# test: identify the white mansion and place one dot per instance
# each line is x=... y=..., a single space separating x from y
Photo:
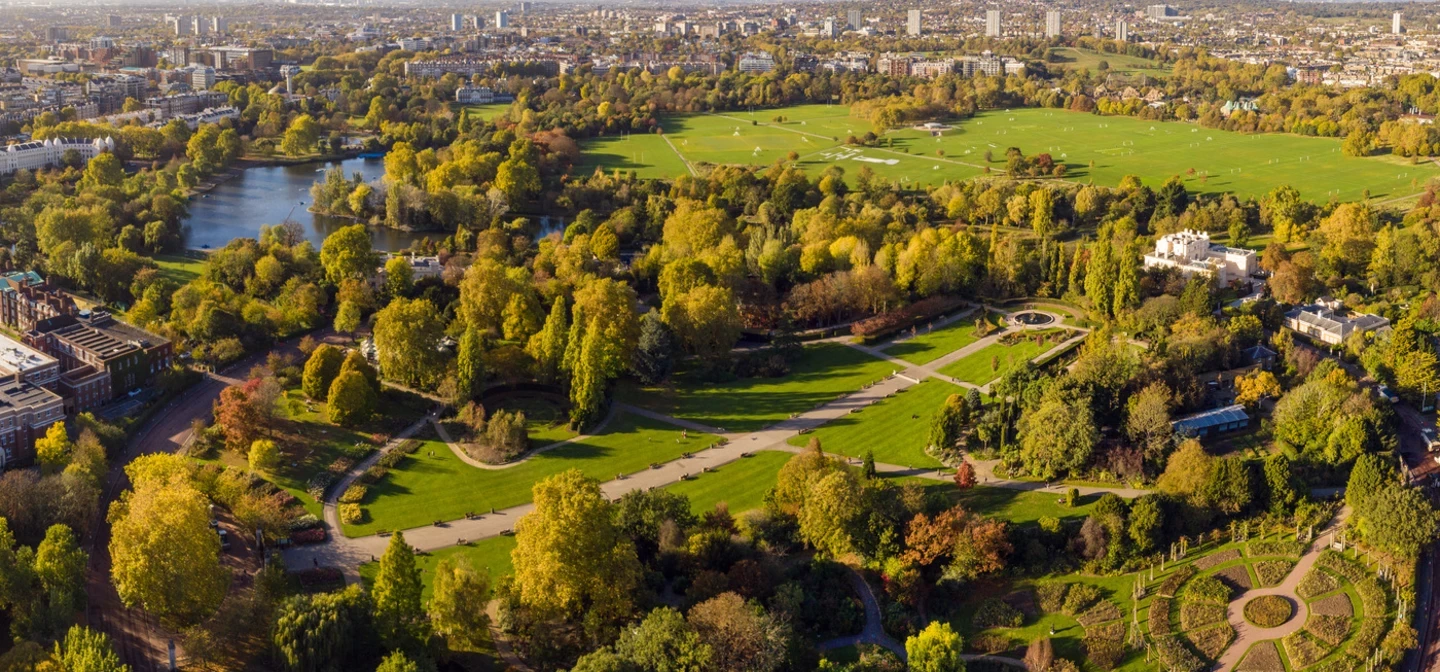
x=48 y=153
x=1192 y=252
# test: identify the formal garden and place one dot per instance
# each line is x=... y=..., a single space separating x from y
x=924 y=345
x=1010 y=350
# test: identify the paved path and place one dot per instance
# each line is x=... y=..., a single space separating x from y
x=1246 y=633
x=874 y=631
x=463 y=456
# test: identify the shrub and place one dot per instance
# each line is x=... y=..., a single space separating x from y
x=1372 y=597
x=1272 y=572
x=409 y=446
x=1329 y=629
x=1212 y=642
x=1159 y=617
x=318 y=484
x=304 y=522
x=1207 y=589
x=1269 y=611
x=373 y=475
x=1176 y=656
x=1103 y=611
x=1172 y=583
x=1113 y=630
x=991 y=643
x=1051 y=596
x=505 y=432
x=900 y=318
x=313 y=535
x=1195 y=615
x=1316 y=582
x=1368 y=637
x=1258 y=549
x=391 y=459
x=1262 y=657
x=350 y=514
x=1080 y=597
x=996 y=613
x=353 y=494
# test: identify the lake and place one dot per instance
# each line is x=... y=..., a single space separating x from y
x=268 y=195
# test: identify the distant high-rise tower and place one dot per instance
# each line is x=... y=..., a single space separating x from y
x=457 y=22
x=502 y=19
x=524 y=8
x=476 y=21
x=114 y=21
x=852 y=17
x=219 y=25
x=912 y=23
x=1395 y=23
x=1052 y=23
x=831 y=29
x=992 y=23
x=198 y=26
x=1122 y=30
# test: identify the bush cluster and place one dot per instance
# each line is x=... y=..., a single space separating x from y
x=1269 y=611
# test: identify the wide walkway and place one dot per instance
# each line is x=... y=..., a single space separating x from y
x=1246 y=633
x=348 y=553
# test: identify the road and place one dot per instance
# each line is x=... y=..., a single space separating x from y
x=137 y=636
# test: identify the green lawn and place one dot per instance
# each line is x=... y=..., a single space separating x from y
x=1249 y=165
x=888 y=428
x=928 y=347
x=1120 y=64
x=741 y=484
x=991 y=361
x=546 y=420
x=426 y=487
x=490 y=555
x=181 y=268
x=824 y=372
x=487 y=112
x=1020 y=506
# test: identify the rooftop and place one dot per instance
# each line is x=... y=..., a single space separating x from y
x=1214 y=417
x=16 y=357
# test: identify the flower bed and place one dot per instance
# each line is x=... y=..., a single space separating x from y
x=1367 y=639
x=890 y=322
x=313 y=535
x=1080 y=597
x=1207 y=589
x=1329 y=629
x=996 y=613
x=1104 y=611
x=1051 y=596
x=1302 y=650
x=1372 y=597
x=1216 y=559
x=1114 y=630
x=1159 y=617
x=1212 y=642
x=1177 y=657
x=1263 y=657
x=1194 y=615
x=1172 y=583
x=1316 y=583
x=1272 y=572
x=1269 y=611
x=1235 y=576
x=1260 y=549
x=1338 y=664
x=1335 y=605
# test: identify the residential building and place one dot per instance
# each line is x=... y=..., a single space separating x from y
x=893 y=65
x=457 y=22
x=49 y=153
x=1325 y=322
x=912 y=23
x=56 y=34
x=202 y=78
x=1395 y=23
x=502 y=19
x=26 y=299
x=930 y=69
x=219 y=25
x=1213 y=421
x=1191 y=252
x=474 y=95
x=22 y=363
x=130 y=357
x=186 y=103
x=831 y=28
x=1122 y=30
x=114 y=21
x=992 y=23
x=1052 y=23
x=852 y=19
x=209 y=115
x=26 y=412
x=755 y=62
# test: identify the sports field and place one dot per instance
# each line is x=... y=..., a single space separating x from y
x=1248 y=165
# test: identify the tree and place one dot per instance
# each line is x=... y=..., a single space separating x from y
x=165 y=558
x=1399 y=520
x=965 y=476
x=264 y=457
x=947 y=424
x=1369 y=477
x=53 y=450
x=1057 y=436
x=1249 y=390
x=408 y=334
x=397 y=661
x=301 y=136
x=356 y=363
x=655 y=353
x=706 y=320
x=245 y=411
x=399 y=276
x=328 y=632
x=1040 y=654
x=347 y=317
x=1147 y=421
x=742 y=636
x=1146 y=521
x=60 y=569
x=398 y=611
x=569 y=551
x=664 y=642
x=934 y=649
x=347 y=254
x=1280 y=490
x=1230 y=487
x=547 y=347
x=470 y=365
x=1187 y=470
x=827 y=514
x=321 y=370
x=588 y=380
x=458 y=588
x=351 y=400
x=85 y=650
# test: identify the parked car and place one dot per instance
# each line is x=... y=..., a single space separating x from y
x=1387 y=394
x=224 y=540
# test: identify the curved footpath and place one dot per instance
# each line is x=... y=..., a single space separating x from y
x=348 y=553
x=1247 y=633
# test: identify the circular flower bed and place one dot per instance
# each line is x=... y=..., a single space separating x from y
x=1269 y=611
